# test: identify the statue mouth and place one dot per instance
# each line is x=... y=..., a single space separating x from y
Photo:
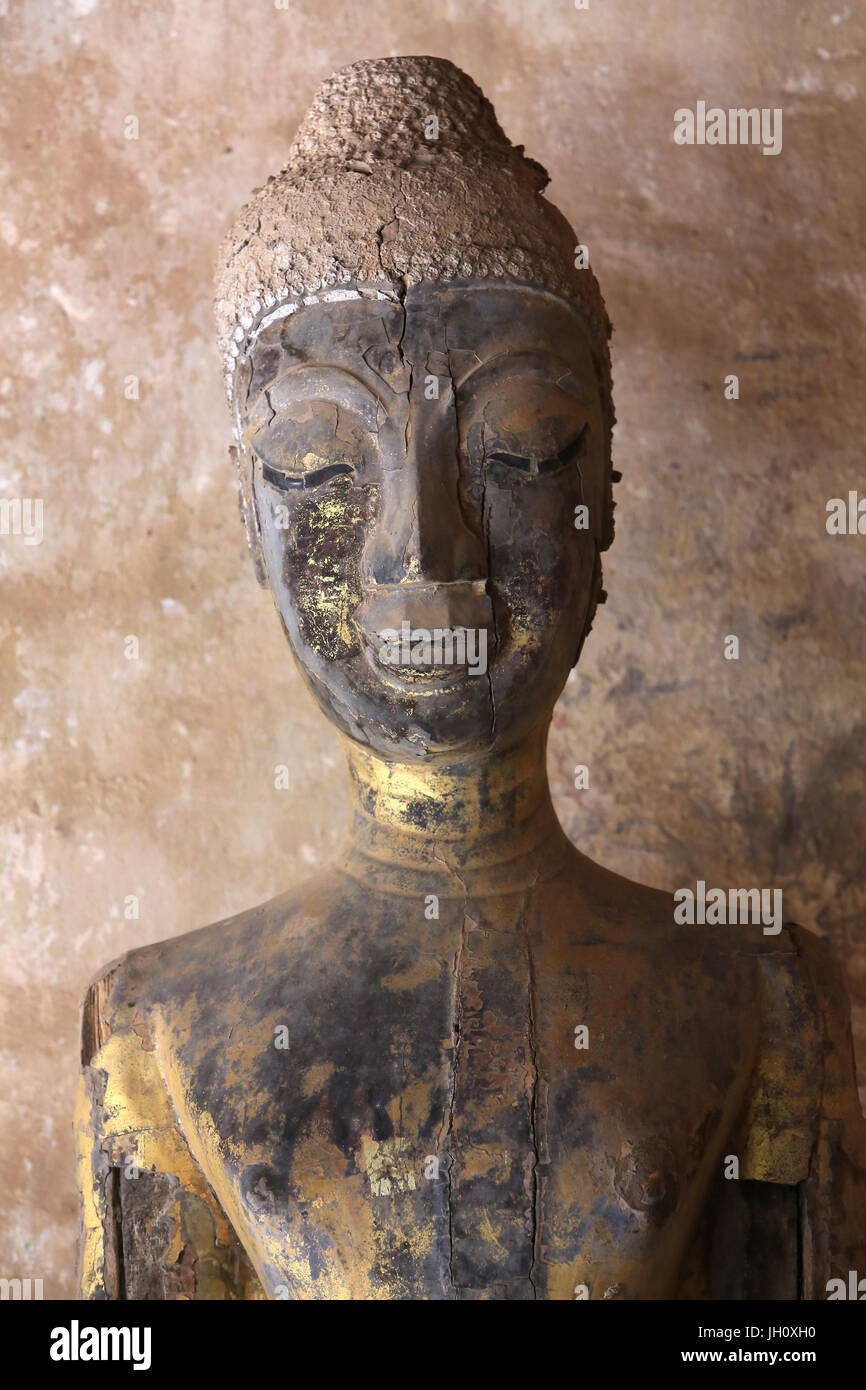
x=430 y=636
x=423 y=660
x=421 y=657
x=430 y=681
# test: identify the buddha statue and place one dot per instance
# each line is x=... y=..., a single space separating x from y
x=462 y=1061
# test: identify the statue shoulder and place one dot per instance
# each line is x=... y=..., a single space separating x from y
x=822 y=980
x=197 y=973
x=103 y=1000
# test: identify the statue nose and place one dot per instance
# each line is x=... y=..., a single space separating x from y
x=423 y=563
x=421 y=534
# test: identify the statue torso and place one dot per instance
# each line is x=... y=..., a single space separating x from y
x=529 y=1097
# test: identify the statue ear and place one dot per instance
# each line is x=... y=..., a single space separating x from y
x=247 y=503
x=598 y=595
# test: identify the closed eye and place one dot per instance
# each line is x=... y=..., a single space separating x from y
x=512 y=460
x=572 y=451
x=314 y=478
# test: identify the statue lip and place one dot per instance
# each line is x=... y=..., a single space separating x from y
x=426 y=679
x=454 y=619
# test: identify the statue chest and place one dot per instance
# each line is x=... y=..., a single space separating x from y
x=511 y=1124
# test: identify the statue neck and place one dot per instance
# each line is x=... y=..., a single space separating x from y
x=483 y=826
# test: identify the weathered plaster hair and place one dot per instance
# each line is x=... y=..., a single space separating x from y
x=368 y=201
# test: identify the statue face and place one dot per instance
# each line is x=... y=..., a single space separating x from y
x=417 y=472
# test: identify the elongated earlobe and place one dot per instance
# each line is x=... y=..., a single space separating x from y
x=247 y=503
x=598 y=595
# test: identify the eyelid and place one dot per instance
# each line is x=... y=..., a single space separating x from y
x=264 y=437
x=576 y=448
x=336 y=385
x=277 y=478
x=566 y=455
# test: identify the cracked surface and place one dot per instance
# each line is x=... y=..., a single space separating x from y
x=466 y=205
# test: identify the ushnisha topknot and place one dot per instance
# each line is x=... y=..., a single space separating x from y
x=368 y=199
x=400 y=174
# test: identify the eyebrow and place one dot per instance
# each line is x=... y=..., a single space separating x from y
x=561 y=371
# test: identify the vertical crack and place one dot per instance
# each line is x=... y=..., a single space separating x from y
x=485 y=526
x=114 y=1213
x=533 y=1103
x=446 y=1134
x=485 y=532
x=411 y=368
x=457 y=1035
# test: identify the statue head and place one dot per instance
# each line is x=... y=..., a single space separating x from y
x=420 y=381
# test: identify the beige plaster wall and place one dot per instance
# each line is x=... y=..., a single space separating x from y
x=154 y=777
